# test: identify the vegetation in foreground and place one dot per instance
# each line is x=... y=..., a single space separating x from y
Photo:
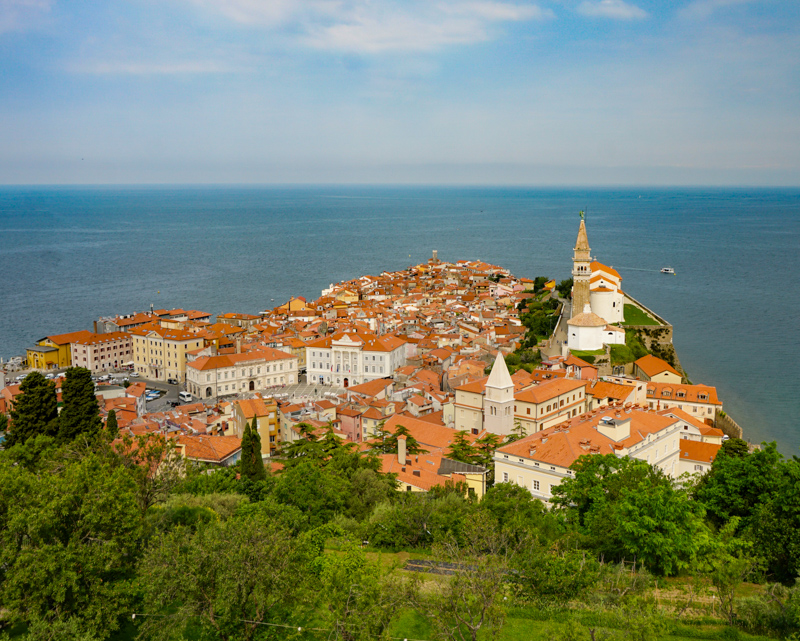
x=94 y=530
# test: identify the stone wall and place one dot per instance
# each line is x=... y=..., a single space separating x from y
x=657 y=338
x=728 y=426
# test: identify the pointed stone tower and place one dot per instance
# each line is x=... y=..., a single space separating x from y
x=581 y=271
x=498 y=400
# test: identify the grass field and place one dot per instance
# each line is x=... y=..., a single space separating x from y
x=636 y=316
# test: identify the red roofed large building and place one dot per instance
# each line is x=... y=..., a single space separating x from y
x=225 y=374
x=700 y=401
x=540 y=461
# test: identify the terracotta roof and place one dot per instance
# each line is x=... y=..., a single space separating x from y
x=371 y=388
x=653 y=366
x=230 y=360
x=549 y=390
x=603 y=389
x=72 y=337
x=432 y=437
x=214 y=449
x=587 y=319
x=698 y=451
x=255 y=407
x=691 y=393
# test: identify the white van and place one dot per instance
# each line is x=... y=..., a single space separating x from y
x=185 y=397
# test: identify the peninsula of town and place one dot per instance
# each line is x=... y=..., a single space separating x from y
x=444 y=354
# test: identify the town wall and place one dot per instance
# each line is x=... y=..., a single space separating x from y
x=730 y=427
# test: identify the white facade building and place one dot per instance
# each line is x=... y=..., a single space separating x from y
x=259 y=370
x=351 y=359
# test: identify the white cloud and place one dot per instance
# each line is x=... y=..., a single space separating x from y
x=616 y=9
x=498 y=11
x=370 y=26
x=373 y=35
x=701 y=9
x=17 y=15
x=272 y=12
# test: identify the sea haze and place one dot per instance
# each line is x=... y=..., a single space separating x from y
x=70 y=255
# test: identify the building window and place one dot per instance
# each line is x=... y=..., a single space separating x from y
x=505 y=477
x=536 y=486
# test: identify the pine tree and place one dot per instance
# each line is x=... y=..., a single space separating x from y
x=462 y=450
x=386 y=441
x=35 y=410
x=111 y=425
x=257 y=465
x=80 y=414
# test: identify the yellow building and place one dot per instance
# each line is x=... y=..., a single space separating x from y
x=297 y=348
x=159 y=353
x=54 y=351
x=42 y=357
x=265 y=411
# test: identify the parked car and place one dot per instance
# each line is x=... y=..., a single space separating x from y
x=134 y=374
x=172 y=381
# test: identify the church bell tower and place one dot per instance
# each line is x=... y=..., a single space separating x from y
x=581 y=271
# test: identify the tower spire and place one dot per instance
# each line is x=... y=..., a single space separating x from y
x=581 y=270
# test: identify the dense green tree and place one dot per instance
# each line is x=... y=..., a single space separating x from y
x=517 y=513
x=727 y=563
x=35 y=410
x=564 y=287
x=360 y=597
x=80 y=414
x=221 y=581
x=368 y=488
x=629 y=509
x=112 y=430
x=316 y=492
x=774 y=526
x=153 y=463
x=739 y=482
x=68 y=542
x=3 y=424
x=554 y=576
x=538 y=283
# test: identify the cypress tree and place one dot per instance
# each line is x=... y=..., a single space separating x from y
x=35 y=410
x=80 y=414
x=246 y=468
x=259 y=473
x=111 y=425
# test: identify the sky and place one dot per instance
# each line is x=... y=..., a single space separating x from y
x=553 y=92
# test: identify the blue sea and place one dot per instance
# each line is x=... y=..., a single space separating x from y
x=71 y=255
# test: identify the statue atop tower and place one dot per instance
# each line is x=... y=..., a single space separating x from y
x=581 y=270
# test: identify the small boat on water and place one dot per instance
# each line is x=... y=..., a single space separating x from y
x=667 y=270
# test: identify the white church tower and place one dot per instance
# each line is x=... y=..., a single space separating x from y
x=498 y=399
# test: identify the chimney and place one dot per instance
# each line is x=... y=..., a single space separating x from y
x=401 y=450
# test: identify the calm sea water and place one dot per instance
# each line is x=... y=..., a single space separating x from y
x=70 y=255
